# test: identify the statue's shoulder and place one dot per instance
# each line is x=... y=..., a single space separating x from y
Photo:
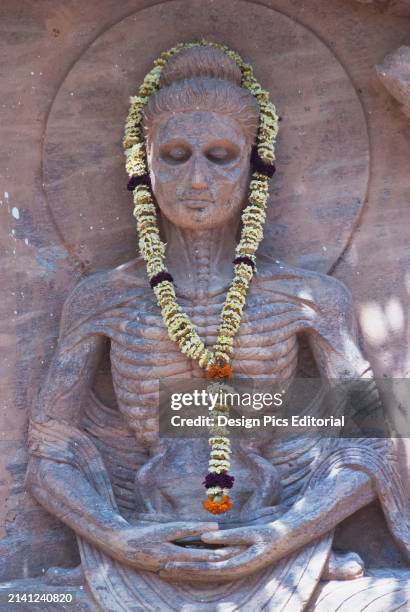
x=103 y=291
x=321 y=290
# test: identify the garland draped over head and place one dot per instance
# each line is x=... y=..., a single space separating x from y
x=216 y=359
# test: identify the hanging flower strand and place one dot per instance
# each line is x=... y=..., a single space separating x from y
x=215 y=360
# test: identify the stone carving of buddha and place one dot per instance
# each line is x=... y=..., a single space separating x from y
x=129 y=496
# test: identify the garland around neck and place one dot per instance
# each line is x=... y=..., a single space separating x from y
x=215 y=360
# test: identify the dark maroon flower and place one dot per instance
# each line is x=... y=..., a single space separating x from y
x=259 y=165
x=134 y=181
x=223 y=480
x=159 y=278
x=245 y=260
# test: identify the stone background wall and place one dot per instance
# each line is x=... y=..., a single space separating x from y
x=340 y=202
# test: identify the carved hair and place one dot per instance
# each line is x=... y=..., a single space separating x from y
x=202 y=78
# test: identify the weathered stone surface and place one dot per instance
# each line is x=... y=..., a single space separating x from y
x=395 y=7
x=394 y=73
x=377 y=592
x=288 y=495
x=41 y=265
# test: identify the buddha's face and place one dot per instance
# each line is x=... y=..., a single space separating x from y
x=199 y=163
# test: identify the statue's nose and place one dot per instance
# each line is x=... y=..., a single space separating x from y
x=198 y=177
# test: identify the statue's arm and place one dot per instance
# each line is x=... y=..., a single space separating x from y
x=63 y=488
x=335 y=346
x=64 y=492
x=60 y=487
x=333 y=335
x=372 y=453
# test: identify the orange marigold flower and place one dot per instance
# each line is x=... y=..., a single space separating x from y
x=219 y=371
x=218 y=507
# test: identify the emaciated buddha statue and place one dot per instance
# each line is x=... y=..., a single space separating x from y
x=133 y=498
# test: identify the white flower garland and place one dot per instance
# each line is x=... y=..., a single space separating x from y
x=214 y=359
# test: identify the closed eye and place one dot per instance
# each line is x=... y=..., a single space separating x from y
x=221 y=154
x=175 y=154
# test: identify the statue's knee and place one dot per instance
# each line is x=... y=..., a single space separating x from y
x=343 y=566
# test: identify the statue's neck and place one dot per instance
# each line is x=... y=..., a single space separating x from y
x=200 y=261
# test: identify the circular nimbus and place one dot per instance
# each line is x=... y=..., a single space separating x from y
x=322 y=153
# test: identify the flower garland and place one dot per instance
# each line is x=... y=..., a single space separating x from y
x=216 y=359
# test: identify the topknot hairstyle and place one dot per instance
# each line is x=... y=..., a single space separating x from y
x=203 y=78
x=205 y=62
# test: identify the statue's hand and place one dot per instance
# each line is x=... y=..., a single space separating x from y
x=252 y=548
x=151 y=548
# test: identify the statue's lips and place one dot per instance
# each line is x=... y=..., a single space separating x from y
x=196 y=204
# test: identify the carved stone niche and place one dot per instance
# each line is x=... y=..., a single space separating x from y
x=96 y=462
